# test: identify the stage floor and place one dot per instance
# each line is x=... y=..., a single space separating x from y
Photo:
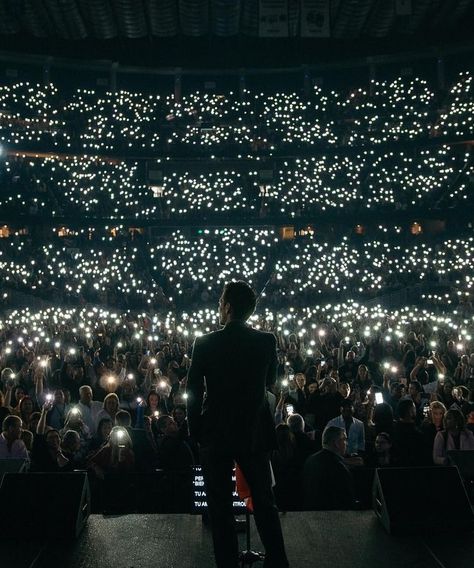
x=353 y=539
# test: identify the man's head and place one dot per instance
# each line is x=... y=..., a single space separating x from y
x=237 y=302
x=12 y=427
x=350 y=356
x=296 y=423
x=347 y=409
x=123 y=419
x=407 y=411
x=335 y=439
x=344 y=389
x=414 y=388
x=85 y=394
x=167 y=426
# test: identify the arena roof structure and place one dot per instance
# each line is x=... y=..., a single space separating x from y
x=86 y=27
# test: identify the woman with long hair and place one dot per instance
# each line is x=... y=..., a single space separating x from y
x=455 y=436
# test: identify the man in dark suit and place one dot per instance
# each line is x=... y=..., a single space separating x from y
x=232 y=422
x=327 y=483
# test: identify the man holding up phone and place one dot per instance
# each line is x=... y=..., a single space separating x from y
x=234 y=366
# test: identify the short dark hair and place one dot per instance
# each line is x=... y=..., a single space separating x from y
x=347 y=403
x=241 y=297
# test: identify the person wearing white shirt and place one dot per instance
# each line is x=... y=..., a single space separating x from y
x=89 y=408
x=11 y=446
x=353 y=427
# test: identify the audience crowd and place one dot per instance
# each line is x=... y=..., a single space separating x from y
x=97 y=380
x=187 y=267
x=106 y=391
x=38 y=117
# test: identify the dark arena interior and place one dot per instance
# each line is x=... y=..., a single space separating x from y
x=236 y=301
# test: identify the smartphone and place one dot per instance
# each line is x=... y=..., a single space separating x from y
x=323 y=362
x=289 y=409
x=430 y=361
x=378 y=398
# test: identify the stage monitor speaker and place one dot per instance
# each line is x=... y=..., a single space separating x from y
x=52 y=505
x=464 y=461
x=421 y=499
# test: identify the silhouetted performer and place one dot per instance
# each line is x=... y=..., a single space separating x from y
x=233 y=367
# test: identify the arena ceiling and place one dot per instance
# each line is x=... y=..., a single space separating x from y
x=26 y=23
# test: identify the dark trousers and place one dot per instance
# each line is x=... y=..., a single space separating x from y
x=217 y=467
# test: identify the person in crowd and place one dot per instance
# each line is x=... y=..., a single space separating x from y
x=433 y=423
x=409 y=448
x=59 y=411
x=11 y=445
x=115 y=456
x=74 y=421
x=362 y=382
x=419 y=398
x=174 y=454
x=305 y=444
x=381 y=455
x=89 y=408
x=71 y=448
x=25 y=409
x=326 y=405
x=455 y=436
x=327 y=483
x=46 y=454
x=110 y=408
x=450 y=357
x=101 y=437
x=349 y=369
x=180 y=417
x=470 y=418
x=285 y=469
x=354 y=428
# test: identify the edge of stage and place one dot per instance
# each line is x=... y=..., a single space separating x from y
x=323 y=539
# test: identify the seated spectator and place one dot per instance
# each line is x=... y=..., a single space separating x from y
x=11 y=444
x=420 y=399
x=349 y=370
x=110 y=407
x=353 y=428
x=409 y=447
x=57 y=415
x=433 y=423
x=381 y=455
x=363 y=382
x=455 y=436
x=143 y=442
x=396 y=394
x=304 y=446
x=325 y=405
x=74 y=421
x=46 y=454
x=71 y=448
x=173 y=453
x=180 y=417
x=470 y=418
x=115 y=456
x=287 y=493
x=327 y=483
x=101 y=437
x=89 y=408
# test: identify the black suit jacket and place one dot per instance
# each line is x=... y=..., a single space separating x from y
x=327 y=483
x=227 y=381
